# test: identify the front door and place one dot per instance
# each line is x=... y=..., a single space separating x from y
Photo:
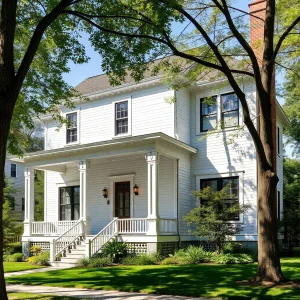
x=122 y=199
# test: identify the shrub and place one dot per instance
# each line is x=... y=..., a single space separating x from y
x=115 y=250
x=83 y=262
x=41 y=259
x=192 y=255
x=172 y=260
x=97 y=262
x=142 y=259
x=35 y=250
x=234 y=258
x=12 y=248
x=16 y=257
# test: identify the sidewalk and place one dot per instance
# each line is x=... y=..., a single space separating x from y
x=32 y=271
x=92 y=294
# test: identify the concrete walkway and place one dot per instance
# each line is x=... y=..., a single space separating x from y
x=92 y=294
x=32 y=271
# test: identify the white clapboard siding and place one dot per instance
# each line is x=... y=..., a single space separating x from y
x=149 y=113
x=183 y=115
x=217 y=157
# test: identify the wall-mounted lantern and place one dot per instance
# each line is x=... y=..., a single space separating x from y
x=136 y=189
x=105 y=192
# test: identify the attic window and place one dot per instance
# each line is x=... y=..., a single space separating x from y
x=121 y=117
x=71 y=128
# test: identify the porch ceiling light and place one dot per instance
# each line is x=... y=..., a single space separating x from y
x=136 y=189
x=105 y=192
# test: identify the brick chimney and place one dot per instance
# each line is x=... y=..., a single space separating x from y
x=257 y=9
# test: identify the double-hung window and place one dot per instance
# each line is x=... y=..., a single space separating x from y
x=121 y=118
x=71 y=127
x=230 y=110
x=217 y=184
x=13 y=170
x=208 y=112
x=69 y=203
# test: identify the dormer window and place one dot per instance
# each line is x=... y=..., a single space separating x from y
x=71 y=128
x=121 y=117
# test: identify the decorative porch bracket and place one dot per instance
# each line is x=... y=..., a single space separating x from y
x=152 y=158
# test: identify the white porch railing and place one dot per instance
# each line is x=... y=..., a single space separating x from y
x=168 y=226
x=108 y=232
x=61 y=244
x=47 y=228
x=138 y=226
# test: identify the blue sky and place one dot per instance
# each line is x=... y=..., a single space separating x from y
x=80 y=72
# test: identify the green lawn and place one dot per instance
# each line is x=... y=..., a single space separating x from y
x=19 y=266
x=189 y=280
x=25 y=296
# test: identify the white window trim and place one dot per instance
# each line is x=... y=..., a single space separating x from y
x=240 y=175
x=219 y=110
x=78 y=127
x=129 y=133
x=111 y=192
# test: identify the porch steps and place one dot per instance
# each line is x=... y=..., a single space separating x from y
x=71 y=258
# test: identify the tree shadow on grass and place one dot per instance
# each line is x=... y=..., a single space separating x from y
x=188 y=280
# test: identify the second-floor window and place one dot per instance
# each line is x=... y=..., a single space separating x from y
x=13 y=170
x=217 y=184
x=230 y=110
x=121 y=117
x=208 y=113
x=71 y=128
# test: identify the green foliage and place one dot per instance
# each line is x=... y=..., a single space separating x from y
x=142 y=259
x=232 y=258
x=212 y=220
x=291 y=203
x=11 y=227
x=169 y=261
x=35 y=250
x=42 y=259
x=12 y=248
x=16 y=257
x=115 y=250
x=83 y=262
x=97 y=262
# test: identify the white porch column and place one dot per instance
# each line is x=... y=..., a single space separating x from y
x=152 y=158
x=29 y=200
x=83 y=188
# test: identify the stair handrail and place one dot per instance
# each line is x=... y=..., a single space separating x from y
x=67 y=238
x=102 y=237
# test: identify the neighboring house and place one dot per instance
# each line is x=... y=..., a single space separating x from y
x=14 y=173
x=127 y=162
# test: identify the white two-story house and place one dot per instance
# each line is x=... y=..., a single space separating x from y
x=127 y=162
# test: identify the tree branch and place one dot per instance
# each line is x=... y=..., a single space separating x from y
x=283 y=36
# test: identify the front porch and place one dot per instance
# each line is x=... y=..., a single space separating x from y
x=87 y=191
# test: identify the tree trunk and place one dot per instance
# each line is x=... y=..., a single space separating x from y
x=5 y=118
x=268 y=257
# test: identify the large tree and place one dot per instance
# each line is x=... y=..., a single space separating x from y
x=37 y=38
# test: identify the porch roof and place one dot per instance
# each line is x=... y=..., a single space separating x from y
x=117 y=143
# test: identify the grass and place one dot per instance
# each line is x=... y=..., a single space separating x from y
x=25 y=296
x=18 y=266
x=205 y=280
